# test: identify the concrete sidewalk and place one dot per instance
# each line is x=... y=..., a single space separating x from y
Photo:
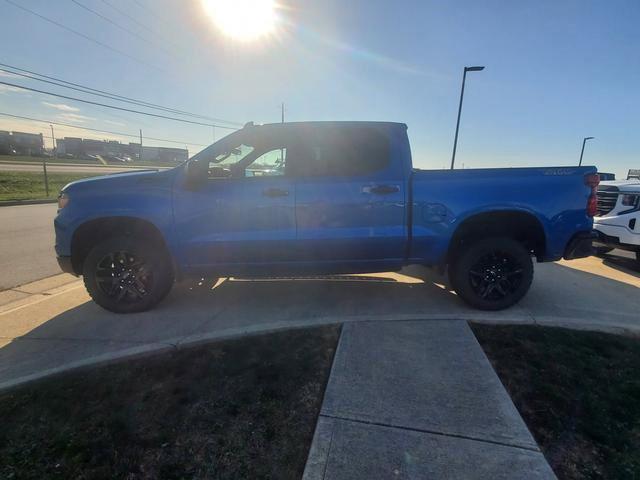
x=417 y=399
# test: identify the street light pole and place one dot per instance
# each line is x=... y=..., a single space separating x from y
x=455 y=139
x=584 y=140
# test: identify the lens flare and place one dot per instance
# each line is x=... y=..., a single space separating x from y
x=243 y=20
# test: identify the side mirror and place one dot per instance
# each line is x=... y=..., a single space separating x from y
x=195 y=174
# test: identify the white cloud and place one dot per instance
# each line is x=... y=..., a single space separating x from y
x=61 y=106
x=73 y=117
x=119 y=124
x=8 y=75
x=10 y=89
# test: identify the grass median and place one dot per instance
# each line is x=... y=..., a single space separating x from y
x=30 y=185
x=578 y=392
x=243 y=408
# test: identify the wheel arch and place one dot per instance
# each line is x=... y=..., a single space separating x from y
x=91 y=232
x=520 y=225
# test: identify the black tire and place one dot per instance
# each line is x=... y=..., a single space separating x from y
x=492 y=273
x=602 y=250
x=126 y=275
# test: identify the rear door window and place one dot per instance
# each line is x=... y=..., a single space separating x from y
x=343 y=151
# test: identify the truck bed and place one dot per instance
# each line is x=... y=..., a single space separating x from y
x=443 y=199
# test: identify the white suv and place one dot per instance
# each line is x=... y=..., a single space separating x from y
x=618 y=219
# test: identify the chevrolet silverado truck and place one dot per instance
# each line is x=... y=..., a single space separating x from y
x=316 y=198
x=617 y=221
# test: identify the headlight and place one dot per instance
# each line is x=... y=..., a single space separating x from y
x=629 y=200
x=63 y=200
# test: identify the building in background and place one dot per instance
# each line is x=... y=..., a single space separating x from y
x=107 y=151
x=20 y=143
x=164 y=155
x=112 y=151
x=5 y=142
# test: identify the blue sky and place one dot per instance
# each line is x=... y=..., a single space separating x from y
x=556 y=71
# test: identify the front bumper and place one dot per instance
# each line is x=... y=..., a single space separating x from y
x=620 y=236
x=580 y=245
x=611 y=241
x=66 y=265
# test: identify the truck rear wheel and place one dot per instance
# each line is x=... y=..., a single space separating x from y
x=125 y=275
x=492 y=273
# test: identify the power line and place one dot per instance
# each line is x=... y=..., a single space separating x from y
x=80 y=34
x=102 y=93
x=75 y=99
x=98 y=130
x=117 y=25
x=150 y=10
x=131 y=18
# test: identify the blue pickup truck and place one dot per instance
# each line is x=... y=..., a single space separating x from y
x=320 y=198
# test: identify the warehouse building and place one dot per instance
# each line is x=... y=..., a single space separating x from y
x=20 y=143
x=113 y=150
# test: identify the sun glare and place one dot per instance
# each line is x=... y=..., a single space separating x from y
x=242 y=19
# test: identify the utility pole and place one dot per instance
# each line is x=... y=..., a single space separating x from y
x=282 y=121
x=584 y=140
x=140 y=145
x=44 y=166
x=455 y=140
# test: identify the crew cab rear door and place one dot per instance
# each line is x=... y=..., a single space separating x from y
x=350 y=195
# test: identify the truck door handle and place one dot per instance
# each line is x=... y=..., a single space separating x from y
x=381 y=189
x=275 y=192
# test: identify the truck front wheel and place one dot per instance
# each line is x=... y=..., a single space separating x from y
x=124 y=275
x=492 y=273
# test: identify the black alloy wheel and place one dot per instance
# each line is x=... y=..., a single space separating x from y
x=491 y=273
x=496 y=275
x=125 y=275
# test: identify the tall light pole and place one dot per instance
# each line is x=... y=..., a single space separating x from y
x=584 y=140
x=455 y=140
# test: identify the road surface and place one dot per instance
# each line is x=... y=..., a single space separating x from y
x=56 y=168
x=26 y=244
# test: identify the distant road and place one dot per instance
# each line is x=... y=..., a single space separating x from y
x=26 y=244
x=52 y=167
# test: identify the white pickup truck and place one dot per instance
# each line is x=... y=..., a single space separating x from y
x=618 y=219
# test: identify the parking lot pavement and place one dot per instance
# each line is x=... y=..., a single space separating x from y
x=58 y=326
x=418 y=399
x=26 y=244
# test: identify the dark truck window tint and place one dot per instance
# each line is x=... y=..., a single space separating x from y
x=340 y=152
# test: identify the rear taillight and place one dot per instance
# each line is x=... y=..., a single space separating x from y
x=592 y=180
x=592 y=206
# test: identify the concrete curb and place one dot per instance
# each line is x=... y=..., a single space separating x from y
x=263 y=329
x=157 y=348
x=13 y=203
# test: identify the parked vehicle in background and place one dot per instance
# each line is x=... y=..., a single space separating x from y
x=606 y=176
x=633 y=174
x=618 y=219
x=320 y=198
